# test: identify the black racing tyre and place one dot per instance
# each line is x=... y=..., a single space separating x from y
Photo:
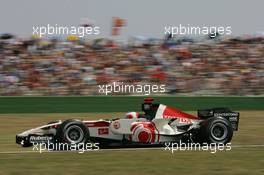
x=72 y=132
x=216 y=130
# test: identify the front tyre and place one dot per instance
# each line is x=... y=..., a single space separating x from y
x=72 y=132
x=216 y=130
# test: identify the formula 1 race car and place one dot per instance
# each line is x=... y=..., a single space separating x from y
x=158 y=124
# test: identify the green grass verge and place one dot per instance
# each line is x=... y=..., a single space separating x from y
x=120 y=103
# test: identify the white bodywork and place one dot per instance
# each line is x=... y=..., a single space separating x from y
x=40 y=130
x=162 y=128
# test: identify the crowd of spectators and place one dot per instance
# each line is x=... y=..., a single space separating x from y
x=55 y=67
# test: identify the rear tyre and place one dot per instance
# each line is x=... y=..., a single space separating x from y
x=216 y=130
x=72 y=132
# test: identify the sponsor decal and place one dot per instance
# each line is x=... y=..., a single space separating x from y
x=103 y=131
x=168 y=116
x=185 y=120
x=40 y=138
x=226 y=114
x=116 y=125
x=233 y=119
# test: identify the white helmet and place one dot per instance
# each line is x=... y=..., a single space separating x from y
x=132 y=115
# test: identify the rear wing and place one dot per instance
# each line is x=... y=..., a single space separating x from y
x=231 y=116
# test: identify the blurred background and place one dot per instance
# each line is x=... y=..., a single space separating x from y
x=132 y=49
x=53 y=67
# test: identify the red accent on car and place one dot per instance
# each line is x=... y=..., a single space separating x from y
x=148 y=127
x=129 y=116
x=148 y=100
x=55 y=126
x=116 y=125
x=103 y=131
x=132 y=115
x=143 y=136
x=134 y=125
x=170 y=112
x=97 y=124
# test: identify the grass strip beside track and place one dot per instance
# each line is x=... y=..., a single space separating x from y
x=77 y=104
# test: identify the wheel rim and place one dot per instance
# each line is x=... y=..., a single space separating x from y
x=74 y=134
x=219 y=131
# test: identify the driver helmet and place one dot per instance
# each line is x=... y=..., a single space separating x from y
x=132 y=115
